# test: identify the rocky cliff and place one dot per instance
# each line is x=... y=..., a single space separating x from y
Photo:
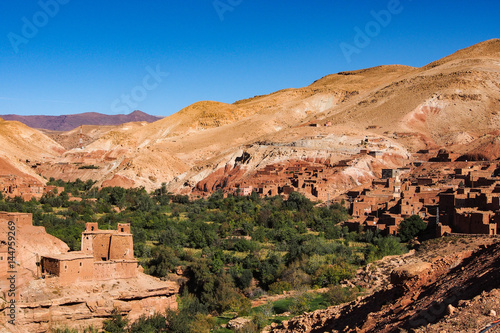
x=44 y=304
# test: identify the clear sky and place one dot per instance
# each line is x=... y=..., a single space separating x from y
x=158 y=56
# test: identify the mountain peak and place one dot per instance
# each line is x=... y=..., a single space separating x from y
x=137 y=113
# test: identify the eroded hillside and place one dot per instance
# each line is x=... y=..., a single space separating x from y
x=452 y=103
x=22 y=148
x=449 y=284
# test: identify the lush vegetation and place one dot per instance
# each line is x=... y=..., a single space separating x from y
x=232 y=249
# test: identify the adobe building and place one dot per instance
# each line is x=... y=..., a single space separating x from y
x=69 y=267
x=442 y=230
x=361 y=208
x=245 y=191
x=75 y=290
x=104 y=255
x=105 y=245
x=394 y=173
x=20 y=219
x=12 y=186
x=30 y=241
x=471 y=221
x=444 y=156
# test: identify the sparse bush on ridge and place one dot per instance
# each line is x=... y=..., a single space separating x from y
x=91 y=166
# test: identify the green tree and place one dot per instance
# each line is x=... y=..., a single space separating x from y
x=153 y=324
x=337 y=295
x=333 y=274
x=301 y=303
x=117 y=324
x=164 y=260
x=297 y=201
x=388 y=246
x=411 y=227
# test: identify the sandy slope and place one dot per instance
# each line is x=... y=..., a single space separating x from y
x=451 y=103
x=20 y=144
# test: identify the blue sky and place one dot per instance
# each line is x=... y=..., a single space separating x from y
x=158 y=56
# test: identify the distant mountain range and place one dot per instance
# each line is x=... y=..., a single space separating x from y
x=71 y=121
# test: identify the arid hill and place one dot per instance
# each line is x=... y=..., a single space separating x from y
x=452 y=103
x=22 y=147
x=88 y=133
x=447 y=103
x=207 y=135
x=69 y=122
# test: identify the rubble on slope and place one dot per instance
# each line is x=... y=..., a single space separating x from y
x=448 y=276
